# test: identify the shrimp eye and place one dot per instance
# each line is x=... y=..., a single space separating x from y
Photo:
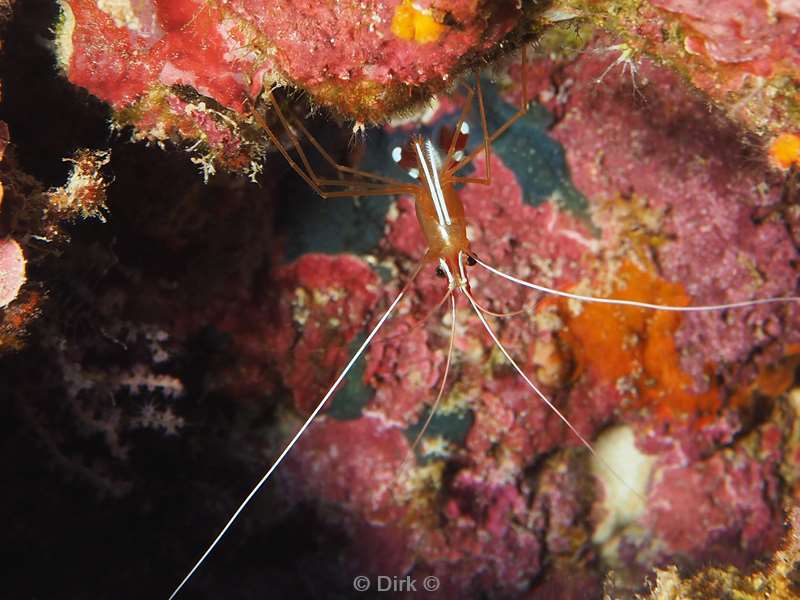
x=448 y=136
x=440 y=272
x=471 y=261
x=405 y=157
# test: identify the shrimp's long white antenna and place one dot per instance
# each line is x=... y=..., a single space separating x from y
x=546 y=400
x=297 y=436
x=441 y=386
x=664 y=307
x=538 y=392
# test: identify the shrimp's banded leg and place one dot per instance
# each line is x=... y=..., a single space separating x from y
x=339 y=167
x=451 y=163
x=381 y=185
x=488 y=140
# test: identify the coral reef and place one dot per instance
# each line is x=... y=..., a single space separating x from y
x=12 y=260
x=188 y=327
x=32 y=224
x=688 y=388
x=12 y=269
x=192 y=70
x=365 y=55
x=742 y=54
x=778 y=580
x=498 y=470
x=33 y=220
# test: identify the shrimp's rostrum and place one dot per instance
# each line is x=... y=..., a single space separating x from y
x=483 y=482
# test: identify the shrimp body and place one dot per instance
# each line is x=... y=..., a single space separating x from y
x=440 y=213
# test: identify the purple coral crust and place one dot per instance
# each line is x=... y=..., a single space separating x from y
x=735 y=513
x=761 y=39
x=666 y=149
x=668 y=153
x=743 y=54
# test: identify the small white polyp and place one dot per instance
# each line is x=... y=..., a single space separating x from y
x=621 y=505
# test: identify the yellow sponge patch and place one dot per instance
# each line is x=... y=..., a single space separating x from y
x=411 y=23
x=785 y=150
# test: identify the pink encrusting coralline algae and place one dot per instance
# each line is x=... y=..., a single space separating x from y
x=192 y=71
x=358 y=57
x=760 y=38
x=744 y=55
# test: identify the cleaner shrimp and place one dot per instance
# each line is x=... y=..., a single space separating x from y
x=435 y=188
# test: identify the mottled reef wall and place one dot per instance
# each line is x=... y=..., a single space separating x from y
x=175 y=299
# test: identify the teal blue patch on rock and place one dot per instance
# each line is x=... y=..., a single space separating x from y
x=537 y=160
x=452 y=426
